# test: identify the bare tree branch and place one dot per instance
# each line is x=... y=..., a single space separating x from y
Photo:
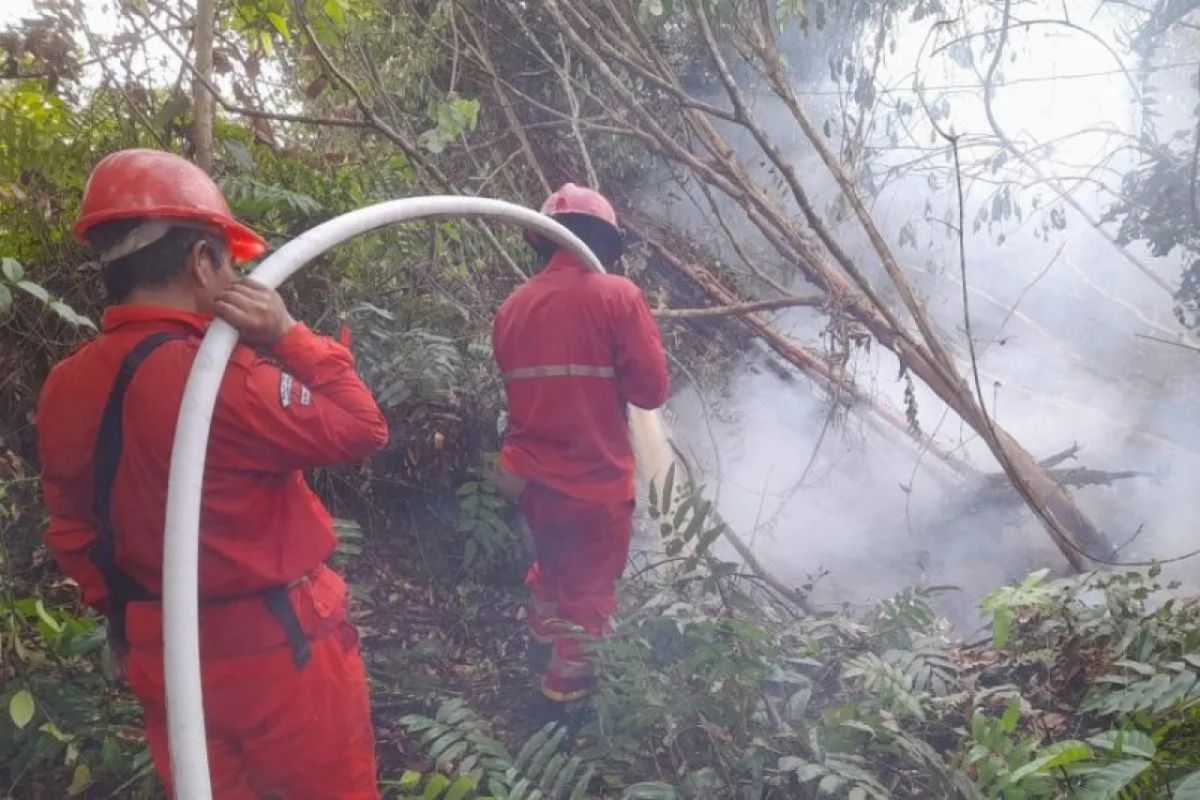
x=739 y=308
x=989 y=94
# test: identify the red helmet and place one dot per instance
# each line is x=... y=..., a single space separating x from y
x=572 y=199
x=151 y=184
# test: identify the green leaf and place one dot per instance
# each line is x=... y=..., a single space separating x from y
x=50 y=729
x=5 y=299
x=12 y=270
x=1012 y=715
x=21 y=707
x=110 y=754
x=80 y=780
x=1120 y=743
x=437 y=784
x=1188 y=788
x=1064 y=753
x=1002 y=625
x=336 y=11
x=668 y=489
x=462 y=787
x=411 y=779
x=45 y=617
x=1107 y=782
x=29 y=287
x=280 y=24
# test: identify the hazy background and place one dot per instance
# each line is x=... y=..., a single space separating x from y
x=1055 y=315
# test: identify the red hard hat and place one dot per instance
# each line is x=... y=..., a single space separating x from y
x=572 y=199
x=152 y=184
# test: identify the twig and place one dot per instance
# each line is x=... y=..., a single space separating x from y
x=792 y=595
x=1168 y=341
x=1196 y=167
x=1016 y=303
x=1130 y=540
x=564 y=79
x=510 y=115
x=739 y=308
x=989 y=93
x=233 y=108
x=408 y=148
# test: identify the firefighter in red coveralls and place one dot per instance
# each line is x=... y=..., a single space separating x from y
x=284 y=686
x=574 y=347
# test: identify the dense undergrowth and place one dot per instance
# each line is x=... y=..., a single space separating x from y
x=713 y=688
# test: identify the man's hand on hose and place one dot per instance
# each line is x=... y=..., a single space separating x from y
x=256 y=312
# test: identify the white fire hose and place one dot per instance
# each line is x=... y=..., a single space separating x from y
x=181 y=613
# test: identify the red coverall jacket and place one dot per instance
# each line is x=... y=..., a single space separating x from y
x=274 y=727
x=574 y=346
x=260 y=524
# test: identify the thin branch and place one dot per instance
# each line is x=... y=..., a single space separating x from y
x=233 y=108
x=989 y=94
x=408 y=148
x=1196 y=168
x=1184 y=345
x=782 y=87
x=510 y=116
x=810 y=301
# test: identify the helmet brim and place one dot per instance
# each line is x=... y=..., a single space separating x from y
x=244 y=243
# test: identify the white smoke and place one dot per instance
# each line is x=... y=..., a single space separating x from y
x=1056 y=314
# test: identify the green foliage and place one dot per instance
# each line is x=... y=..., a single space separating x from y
x=1004 y=603
x=488 y=538
x=252 y=199
x=895 y=686
x=459 y=743
x=1011 y=765
x=407 y=365
x=61 y=716
x=452 y=117
x=12 y=276
x=685 y=522
x=837 y=776
x=417 y=786
x=349 y=541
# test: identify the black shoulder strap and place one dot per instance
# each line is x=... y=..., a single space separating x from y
x=122 y=588
x=107 y=456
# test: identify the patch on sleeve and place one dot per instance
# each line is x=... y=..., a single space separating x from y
x=305 y=395
x=285 y=389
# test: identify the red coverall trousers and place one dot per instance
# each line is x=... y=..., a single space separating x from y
x=275 y=730
x=581 y=551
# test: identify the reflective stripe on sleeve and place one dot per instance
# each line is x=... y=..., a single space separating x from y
x=559 y=371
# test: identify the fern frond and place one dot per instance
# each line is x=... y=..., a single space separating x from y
x=456 y=739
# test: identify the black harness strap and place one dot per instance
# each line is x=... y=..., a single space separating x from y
x=122 y=588
x=280 y=606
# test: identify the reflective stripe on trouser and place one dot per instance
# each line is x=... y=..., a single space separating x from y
x=559 y=371
x=571 y=674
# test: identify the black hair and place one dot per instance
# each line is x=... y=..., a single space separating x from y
x=605 y=240
x=156 y=264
